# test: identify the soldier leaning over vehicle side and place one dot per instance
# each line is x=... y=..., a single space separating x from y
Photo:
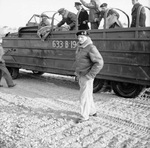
x=67 y=17
x=44 y=27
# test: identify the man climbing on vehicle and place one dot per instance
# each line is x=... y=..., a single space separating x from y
x=67 y=17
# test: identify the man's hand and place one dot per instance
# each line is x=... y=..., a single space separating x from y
x=96 y=19
x=76 y=77
x=68 y=27
x=84 y=22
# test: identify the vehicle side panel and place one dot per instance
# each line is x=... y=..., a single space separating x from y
x=126 y=52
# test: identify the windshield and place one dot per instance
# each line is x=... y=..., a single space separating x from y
x=36 y=18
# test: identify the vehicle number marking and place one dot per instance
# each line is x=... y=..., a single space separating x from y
x=64 y=44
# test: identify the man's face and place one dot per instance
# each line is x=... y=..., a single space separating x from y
x=44 y=18
x=77 y=7
x=103 y=9
x=63 y=13
x=82 y=38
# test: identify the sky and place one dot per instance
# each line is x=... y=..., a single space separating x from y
x=16 y=13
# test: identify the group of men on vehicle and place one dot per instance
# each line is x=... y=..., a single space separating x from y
x=96 y=14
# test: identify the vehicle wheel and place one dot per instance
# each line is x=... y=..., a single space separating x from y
x=97 y=85
x=37 y=72
x=14 y=72
x=126 y=90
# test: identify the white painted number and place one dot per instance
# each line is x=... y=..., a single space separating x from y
x=61 y=44
x=73 y=44
x=64 y=44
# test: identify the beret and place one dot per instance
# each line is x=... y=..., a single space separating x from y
x=103 y=5
x=82 y=33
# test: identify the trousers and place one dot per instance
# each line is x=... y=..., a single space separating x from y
x=86 y=97
x=5 y=73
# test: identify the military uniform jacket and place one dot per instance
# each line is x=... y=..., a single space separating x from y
x=134 y=16
x=110 y=12
x=88 y=61
x=43 y=24
x=69 y=20
x=93 y=7
x=83 y=17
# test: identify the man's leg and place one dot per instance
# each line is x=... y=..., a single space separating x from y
x=7 y=76
x=85 y=97
x=92 y=104
x=1 y=77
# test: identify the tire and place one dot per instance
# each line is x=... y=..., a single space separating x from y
x=97 y=85
x=126 y=90
x=14 y=72
x=37 y=72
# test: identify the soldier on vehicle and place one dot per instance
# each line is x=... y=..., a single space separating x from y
x=82 y=17
x=88 y=64
x=44 y=22
x=4 y=71
x=94 y=8
x=67 y=17
x=142 y=17
x=112 y=18
x=44 y=27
